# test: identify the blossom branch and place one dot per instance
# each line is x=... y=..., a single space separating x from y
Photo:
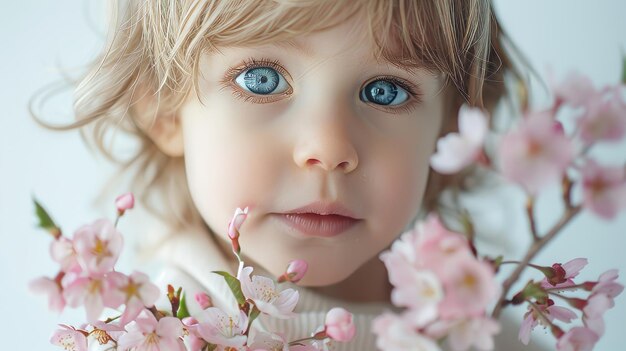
x=530 y=206
x=530 y=254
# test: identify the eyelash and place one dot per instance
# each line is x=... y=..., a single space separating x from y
x=250 y=63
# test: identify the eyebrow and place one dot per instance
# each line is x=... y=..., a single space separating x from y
x=307 y=51
x=293 y=45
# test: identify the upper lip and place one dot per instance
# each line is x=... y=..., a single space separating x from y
x=325 y=208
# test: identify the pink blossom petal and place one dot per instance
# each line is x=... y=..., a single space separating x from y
x=535 y=154
x=49 y=287
x=577 y=339
x=561 y=313
x=170 y=327
x=339 y=324
x=125 y=202
x=527 y=326
x=69 y=339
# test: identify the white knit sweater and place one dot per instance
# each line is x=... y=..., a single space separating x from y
x=190 y=258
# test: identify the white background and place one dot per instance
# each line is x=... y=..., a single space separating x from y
x=37 y=36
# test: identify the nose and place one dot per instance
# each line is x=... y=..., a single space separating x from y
x=325 y=143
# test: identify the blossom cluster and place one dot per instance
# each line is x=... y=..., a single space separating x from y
x=535 y=154
x=538 y=152
x=559 y=280
x=445 y=288
x=87 y=278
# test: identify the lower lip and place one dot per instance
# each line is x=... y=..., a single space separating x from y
x=318 y=225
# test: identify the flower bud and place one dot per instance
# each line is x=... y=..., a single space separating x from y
x=295 y=271
x=124 y=202
x=204 y=300
x=339 y=325
x=235 y=224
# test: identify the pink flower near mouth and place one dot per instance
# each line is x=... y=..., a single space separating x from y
x=235 y=224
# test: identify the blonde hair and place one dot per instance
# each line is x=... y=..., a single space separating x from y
x=154 y=48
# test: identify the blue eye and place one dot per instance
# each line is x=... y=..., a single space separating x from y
x=384 y=92
x=262 y=81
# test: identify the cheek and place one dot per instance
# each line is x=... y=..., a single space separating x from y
x=396 y=191
x=225 y=166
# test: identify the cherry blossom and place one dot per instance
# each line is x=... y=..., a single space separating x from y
x=466 y=279
x=193 y=341
x=69 y=339
x=577 y=339
x=148 y=334
x=94 y=292
x=395 y=333
x=98 y=246
x=296 y=270
x=106 y=332
x=604 y=189
x=135 y=291
x=604 y=118
x=266 y=297
x=51 y=288
x=269 y=342
x=235 y=224
x=571 y=269
x=62 y=251
x=339 y=325
x=536 y=153
x=466 y=332
x=222 y=329
x=550 y=311
x=576 y=89
x=204 y=300
x=608 y=285
x=455 y=151
x=124 y=202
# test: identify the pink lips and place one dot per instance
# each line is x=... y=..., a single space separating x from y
x=318 y=225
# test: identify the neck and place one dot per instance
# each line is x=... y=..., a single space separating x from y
x=369 y=283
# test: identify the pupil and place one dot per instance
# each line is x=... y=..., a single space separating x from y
x=262 y=80
x=381 y=92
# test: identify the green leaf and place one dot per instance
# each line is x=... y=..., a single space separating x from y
x=624 y=69
x=253 y=314
x=45 y=221
x=234 y=285
x=182 y=312
x=210 y=347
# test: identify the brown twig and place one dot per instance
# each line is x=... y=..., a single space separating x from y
x=534 y=249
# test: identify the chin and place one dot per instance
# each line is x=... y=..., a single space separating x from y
x=324 y=277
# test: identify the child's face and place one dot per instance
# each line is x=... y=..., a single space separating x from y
x=310 y=137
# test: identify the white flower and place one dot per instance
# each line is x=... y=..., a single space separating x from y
x=457 y=150
x=267 y=299
x=222 y=329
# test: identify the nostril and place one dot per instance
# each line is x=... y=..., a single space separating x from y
x=313 y=161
